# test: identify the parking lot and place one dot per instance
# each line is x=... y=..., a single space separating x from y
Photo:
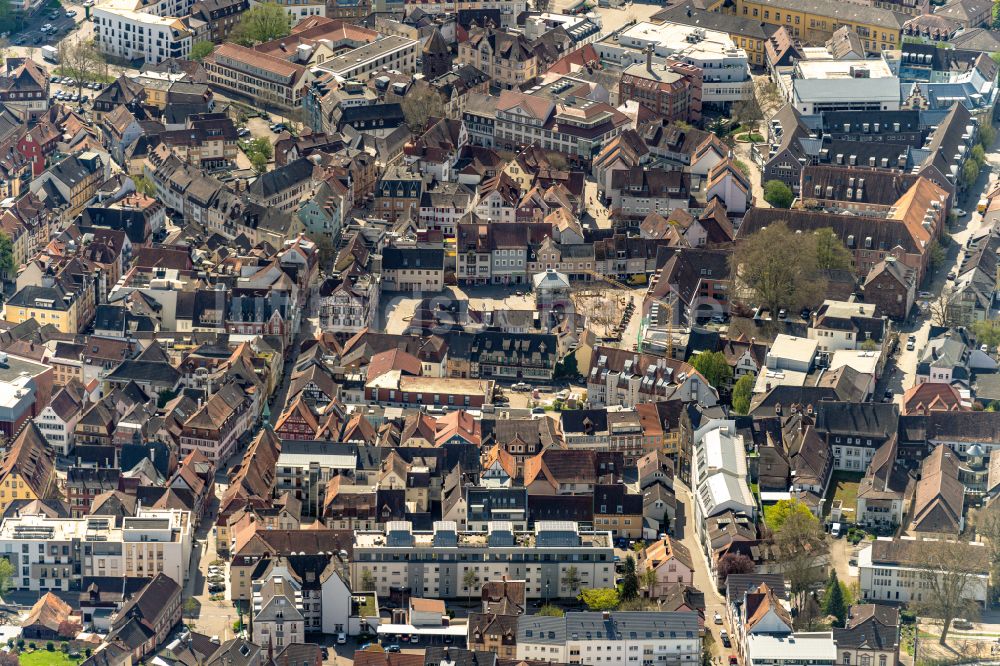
x=48 y=26
x=65 y=89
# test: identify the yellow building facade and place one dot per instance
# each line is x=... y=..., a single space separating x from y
x=815 y=22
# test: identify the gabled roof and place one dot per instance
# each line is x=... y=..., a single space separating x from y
x=49 y=611
x=940 y=496
x=32 y=460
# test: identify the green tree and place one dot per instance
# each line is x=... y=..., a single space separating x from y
x=649 y=580
x=599 y=599
x=470 y=580
x=6 y=575
x=979 y=155
x=778 y=516
x=630 y=580
x=258 y=162
x=261 y=145
x=713 y=367
x=799 y=543
x=201 y=50
x=831 y=253
x=987 y=333
x=262 y=23
x=571 y=579
x=938 y=254
x=144 y=185
x=778 y=194
x=776 y=268
x=833 y=601
x=190 y=607
x=8 y=267
x=367 y=581
x=970 y=172
x=987 y=135
x=550 y=611
x=743 y=393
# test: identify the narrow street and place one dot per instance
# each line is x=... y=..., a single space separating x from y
x=901 y=374
x=686 y=532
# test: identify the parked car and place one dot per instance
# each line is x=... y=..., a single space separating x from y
x=911 y=345
x=71 y=14
x=341 y=639
x=520 y=386
x=243 y=131
x=725 y=638
x=216 y=588
x=392 y=648
x=924 y=294
x=958 y=212
x=718 y=618
x=961 y=623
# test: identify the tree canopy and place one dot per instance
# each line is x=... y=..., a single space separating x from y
x=778 y=194
x=8 y=266
x=600 y=599
x=778 y=268
x=777 y=518
x=262 y=23
x=420 y=104
x=714 y=367
x=200 y=50
x=743 y=393
x=831 y=253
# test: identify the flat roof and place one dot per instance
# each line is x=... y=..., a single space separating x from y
x=452 y=630
x=359 y=56
x=864 y=362
x=799 y=647
x=793 y=347
x=678 y=38
x=843 y=69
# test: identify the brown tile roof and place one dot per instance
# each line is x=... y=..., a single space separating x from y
x=50 y=611
x=932 y=397
x=764 y=601
x=940 y=496
x=32 y=460
x=263 y=61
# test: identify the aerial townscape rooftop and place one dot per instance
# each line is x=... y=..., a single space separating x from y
x=499 y=332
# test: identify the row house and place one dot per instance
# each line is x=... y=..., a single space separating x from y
x=214 y=429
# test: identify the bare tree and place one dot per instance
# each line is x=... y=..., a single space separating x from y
x=419 y=105
x=948 y=581
x=748 y=113
x=81 y=61
x=941 y=312
x=986 y=521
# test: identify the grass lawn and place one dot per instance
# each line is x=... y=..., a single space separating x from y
x=43 y=657
x=843 y=487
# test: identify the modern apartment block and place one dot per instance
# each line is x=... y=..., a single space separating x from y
x=54 y=553
x=434 y=564
x=625 y=637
